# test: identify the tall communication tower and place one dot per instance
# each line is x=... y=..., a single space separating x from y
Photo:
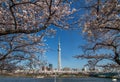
x=59 y=56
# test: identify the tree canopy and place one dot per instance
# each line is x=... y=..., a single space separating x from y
x=101 y=28
x=25 y=23
x=31 y=16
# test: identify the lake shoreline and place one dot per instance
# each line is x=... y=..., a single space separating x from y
x=82 y=79
x=11 y=75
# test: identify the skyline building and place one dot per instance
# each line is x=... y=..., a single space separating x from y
x=59 y=56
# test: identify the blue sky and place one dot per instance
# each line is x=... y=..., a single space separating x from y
x=70 y=41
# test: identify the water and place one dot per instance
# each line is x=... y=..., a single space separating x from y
x=57 y=80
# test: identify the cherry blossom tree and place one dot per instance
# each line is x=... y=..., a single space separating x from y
x=24 y=24
x=93 y=61
x=100 y=26
x=31 y=16
x=23 y=48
